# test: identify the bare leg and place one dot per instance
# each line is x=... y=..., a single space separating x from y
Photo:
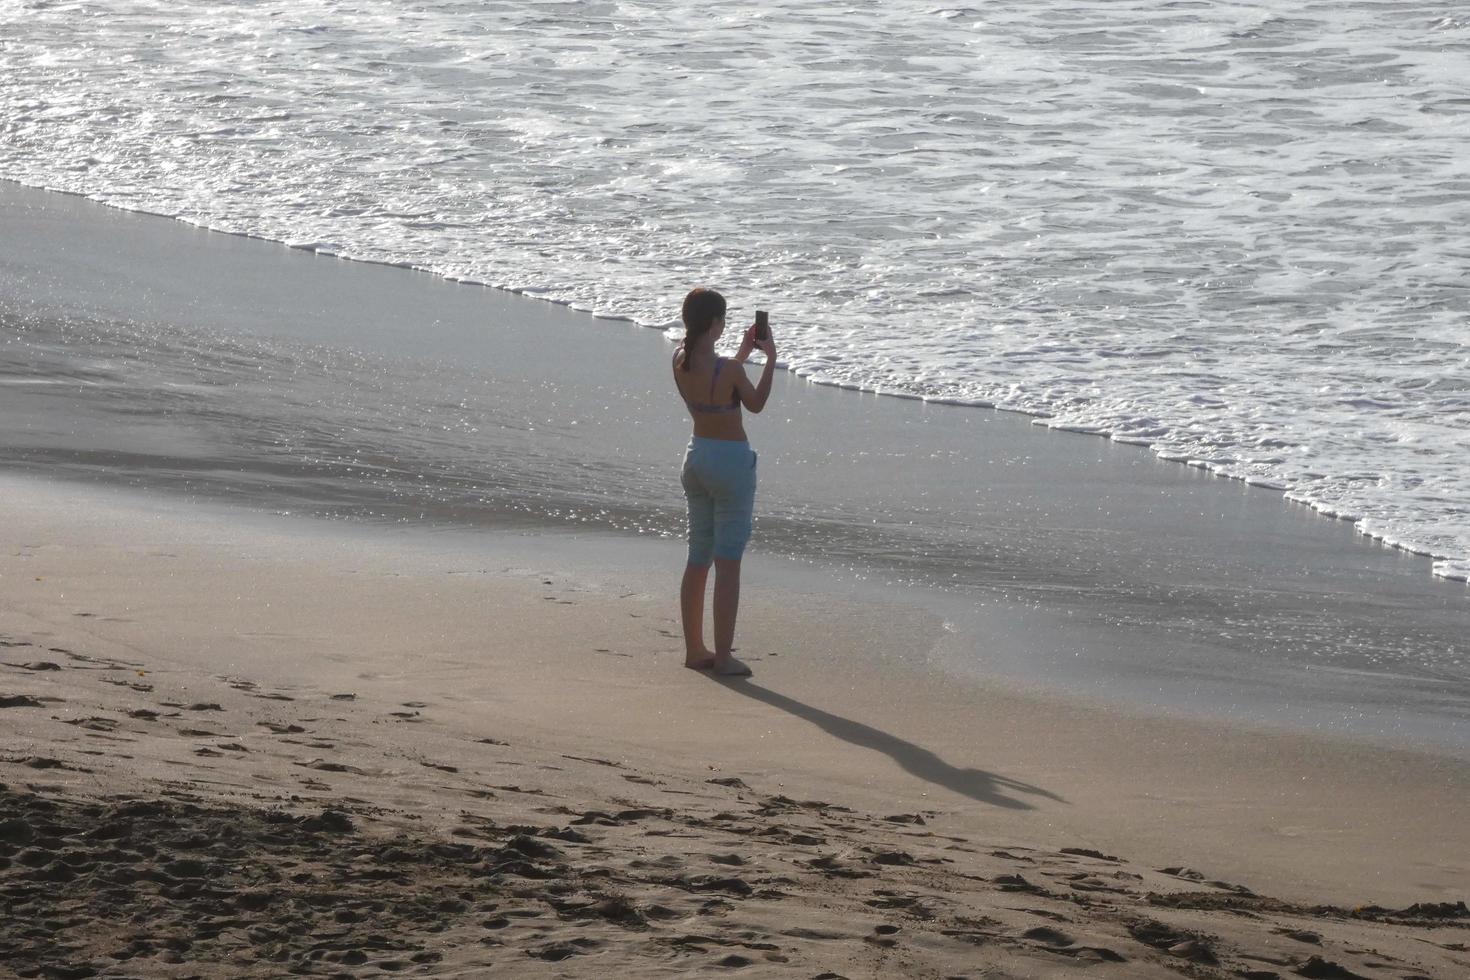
x=727 y=604
x=691 y=609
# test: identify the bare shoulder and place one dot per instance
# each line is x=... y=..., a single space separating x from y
x=739 y=380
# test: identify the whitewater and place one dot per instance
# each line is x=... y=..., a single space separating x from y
x=1233 y=234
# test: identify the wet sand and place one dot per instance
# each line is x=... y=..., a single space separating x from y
x=1066 y=561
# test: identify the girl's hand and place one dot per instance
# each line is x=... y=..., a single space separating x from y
x=767 y=346
x=747 y=344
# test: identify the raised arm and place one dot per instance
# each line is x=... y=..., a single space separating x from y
x=754 y=396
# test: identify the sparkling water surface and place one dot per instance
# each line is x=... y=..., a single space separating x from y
x=1234 y=233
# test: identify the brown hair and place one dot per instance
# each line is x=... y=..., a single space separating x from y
x=702 y=307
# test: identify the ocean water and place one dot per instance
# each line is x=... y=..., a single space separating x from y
x=1232 y=233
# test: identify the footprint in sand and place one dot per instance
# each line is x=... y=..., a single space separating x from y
x=559 y=951
x=891 y=900
x=45 y=762
x=324 y=766
x=833 y=866
x=732 y=860
x=595 y=761
x=735 y=782
x=1047 y=936
x=1056 y=941
x=94 y=723
x=883 y=936
x=22 y=701
x=1012 y=857
x=134 y=685
x=528 y=791
x=1088 y=852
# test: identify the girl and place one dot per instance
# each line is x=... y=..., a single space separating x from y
x=719 y=473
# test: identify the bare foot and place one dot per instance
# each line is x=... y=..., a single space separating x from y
x=699 y=660
x=728 y=666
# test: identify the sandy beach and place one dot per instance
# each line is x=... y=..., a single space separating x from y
x=1107 y=595
x=240 y=745
x=261 y=714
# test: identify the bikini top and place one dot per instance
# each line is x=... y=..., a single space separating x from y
x=709 y=406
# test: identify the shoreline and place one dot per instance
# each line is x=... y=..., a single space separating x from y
x=1077 y=565
x=1448 y=574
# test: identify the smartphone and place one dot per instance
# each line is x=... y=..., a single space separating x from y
x=762 y=325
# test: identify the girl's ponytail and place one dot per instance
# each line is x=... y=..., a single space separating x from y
x=702 y=307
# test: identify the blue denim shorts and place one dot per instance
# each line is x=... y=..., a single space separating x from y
x=719 y=483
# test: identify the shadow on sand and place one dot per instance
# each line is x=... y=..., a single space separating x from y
x=977 y=784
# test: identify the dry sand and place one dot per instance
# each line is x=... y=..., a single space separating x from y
x=238 y=745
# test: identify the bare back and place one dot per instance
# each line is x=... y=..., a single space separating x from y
x=711 y=390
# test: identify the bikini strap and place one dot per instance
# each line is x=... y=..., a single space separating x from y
x=719 y=363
